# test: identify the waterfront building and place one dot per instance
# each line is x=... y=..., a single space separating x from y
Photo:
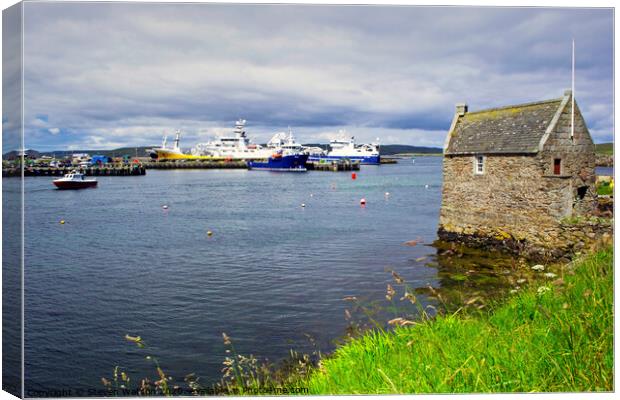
x=516 y=174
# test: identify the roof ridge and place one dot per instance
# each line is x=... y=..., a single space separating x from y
x=534 y=103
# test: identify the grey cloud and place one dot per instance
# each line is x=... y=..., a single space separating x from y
x=127 y=72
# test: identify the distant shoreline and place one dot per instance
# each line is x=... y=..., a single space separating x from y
x=402 y=155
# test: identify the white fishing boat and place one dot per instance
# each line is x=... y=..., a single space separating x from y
x=237 y=146
x=345 y=147
x=287 y=143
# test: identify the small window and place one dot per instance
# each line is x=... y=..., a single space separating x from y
x=557 y=166
x=479 y=165
x=581 y=192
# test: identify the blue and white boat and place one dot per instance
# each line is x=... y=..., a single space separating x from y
x=281 y=163
x=288 y=155
x=346 y=148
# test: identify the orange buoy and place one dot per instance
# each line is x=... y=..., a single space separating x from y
x=353 y=175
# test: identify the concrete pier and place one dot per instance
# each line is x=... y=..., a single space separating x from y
x=334 y=166
x=209 y=164
x=124 y=170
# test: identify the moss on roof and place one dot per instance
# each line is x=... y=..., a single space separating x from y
x=511 y=129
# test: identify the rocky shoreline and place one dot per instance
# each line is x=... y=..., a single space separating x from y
x=604 y=160
x=560 y=245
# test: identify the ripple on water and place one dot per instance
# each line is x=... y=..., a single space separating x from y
x=270 y=272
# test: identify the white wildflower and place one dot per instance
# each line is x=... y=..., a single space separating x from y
x=542 y=290
x=513 y=291
x=522 y=280
x=538 y=267
x=550 y=275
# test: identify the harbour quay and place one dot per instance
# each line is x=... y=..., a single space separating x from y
x=114 y=170
x=197 y=164
x=334 y=166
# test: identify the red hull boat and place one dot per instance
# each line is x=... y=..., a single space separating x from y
x=74 y=180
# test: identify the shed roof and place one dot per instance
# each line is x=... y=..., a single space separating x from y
x=511 y=129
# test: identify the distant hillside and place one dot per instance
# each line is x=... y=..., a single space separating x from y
x=390 y=149
x=130 y=151
x=604 y=148
x=13 y=155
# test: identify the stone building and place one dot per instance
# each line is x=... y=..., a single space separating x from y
x=515 y=174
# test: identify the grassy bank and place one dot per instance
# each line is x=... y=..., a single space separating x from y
x=556 y=337
x=604 y=148
x=604 y=189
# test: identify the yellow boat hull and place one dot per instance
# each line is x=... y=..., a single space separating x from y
x=173 y=155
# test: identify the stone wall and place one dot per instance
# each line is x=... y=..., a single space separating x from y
x=604 y=160
x=510 y=199
x=518 y=202
x=571 y=237
x=578 y=159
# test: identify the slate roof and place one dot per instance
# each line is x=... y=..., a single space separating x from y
x=508 y=130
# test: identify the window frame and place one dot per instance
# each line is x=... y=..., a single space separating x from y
x=479 y=160
x=559 y=164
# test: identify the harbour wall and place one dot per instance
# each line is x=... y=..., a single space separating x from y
x=127 y=170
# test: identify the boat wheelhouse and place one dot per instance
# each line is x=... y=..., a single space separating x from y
x=74 y=180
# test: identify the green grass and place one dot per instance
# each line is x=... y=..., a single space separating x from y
x=604 y=148
x=559 y=340
x=604 y=189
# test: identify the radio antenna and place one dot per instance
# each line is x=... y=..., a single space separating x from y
x=572 y=125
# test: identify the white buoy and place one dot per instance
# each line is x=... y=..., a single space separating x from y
x=303 y=204
x=311 y=195
x=426 y=186
x=165 y=207
x=363 y=201
x=387 y=194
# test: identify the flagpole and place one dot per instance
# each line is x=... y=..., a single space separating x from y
x=572 y=125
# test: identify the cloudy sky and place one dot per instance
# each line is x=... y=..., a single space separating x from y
x=105 y=75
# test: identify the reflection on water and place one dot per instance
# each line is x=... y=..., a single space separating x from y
x=474 y=277
x=467 y=279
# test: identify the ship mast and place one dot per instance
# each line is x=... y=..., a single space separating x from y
x=176 y=140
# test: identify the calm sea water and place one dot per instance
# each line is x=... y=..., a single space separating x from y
x=605 y=171
x=272 y=273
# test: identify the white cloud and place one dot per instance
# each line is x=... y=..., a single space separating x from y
x=54 y=131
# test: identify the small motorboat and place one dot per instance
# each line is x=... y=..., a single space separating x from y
x=74 y=180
